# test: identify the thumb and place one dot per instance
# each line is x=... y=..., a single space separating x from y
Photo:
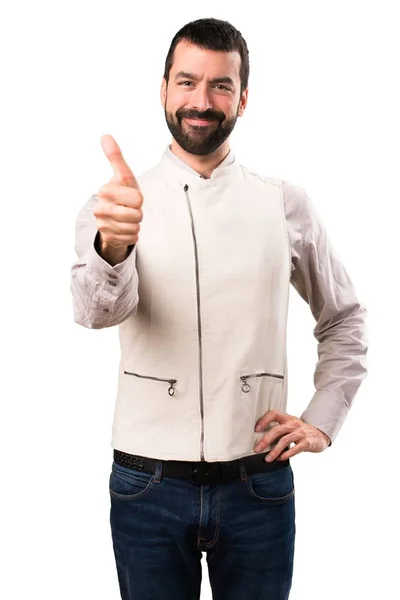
x=122 y=173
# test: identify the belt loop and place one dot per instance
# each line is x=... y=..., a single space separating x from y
x=242 y=469
x=158 y=472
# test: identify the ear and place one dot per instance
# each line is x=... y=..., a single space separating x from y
x=163 y=91
x=243 y=102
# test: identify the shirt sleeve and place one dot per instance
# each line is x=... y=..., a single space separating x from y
x=103 y=295
x=322 y=281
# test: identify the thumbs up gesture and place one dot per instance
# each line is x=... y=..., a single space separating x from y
x=118 y=211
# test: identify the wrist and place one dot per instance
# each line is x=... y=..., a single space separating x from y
x=111 y=255
x=326 y=437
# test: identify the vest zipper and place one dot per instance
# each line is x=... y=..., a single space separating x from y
x=246 y=387
x=196 y=256
x=172 y=382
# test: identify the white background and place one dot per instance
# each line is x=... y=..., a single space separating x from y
x=322 y=113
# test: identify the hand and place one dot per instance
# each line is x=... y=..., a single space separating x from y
x=306 y=438
x=118 y=209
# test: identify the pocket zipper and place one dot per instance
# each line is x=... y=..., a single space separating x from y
x=172 y=382
x=246 y=387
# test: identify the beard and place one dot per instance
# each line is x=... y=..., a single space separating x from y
x=202 y=139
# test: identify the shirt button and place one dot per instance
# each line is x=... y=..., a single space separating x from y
x=112 y=276
x=105 y=310
x=112 y=283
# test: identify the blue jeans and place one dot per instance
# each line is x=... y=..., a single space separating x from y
x=160 y=526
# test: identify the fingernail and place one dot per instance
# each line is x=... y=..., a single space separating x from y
x=257 y=448
x=258 y=428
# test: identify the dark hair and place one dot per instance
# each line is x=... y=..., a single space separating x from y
x=212 y=34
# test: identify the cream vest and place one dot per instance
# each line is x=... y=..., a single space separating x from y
x=205 y=354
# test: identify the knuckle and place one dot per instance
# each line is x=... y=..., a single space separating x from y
x=101 y=210
x=104 y=190
x=138 y=198
x=102 y=227
x=134 y=229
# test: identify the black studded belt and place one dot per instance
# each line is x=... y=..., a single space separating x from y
x=200 y=472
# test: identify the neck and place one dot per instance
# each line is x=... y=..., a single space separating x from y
x=204 y=165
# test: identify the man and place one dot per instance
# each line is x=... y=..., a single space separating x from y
x=194 y=262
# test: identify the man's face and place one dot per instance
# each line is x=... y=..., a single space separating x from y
x=202 y=100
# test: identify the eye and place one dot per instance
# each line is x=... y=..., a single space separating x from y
x=183 y=83
x=224 y=87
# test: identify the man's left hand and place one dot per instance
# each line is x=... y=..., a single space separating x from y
x=290 y=429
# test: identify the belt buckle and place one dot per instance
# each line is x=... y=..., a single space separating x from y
x=201 y=472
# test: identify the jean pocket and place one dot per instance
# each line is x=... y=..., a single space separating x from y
x=127 y=484
x=272 y=487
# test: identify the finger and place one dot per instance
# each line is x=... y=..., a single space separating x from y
x=114 y=228
x=125 y=215
x=122 y=172
x=292 y=452
x=119 y=240
x=121 y=195
x=269 y=417
x=283 y=443
x=118 y=219
x=116 y=214
x=273 y=434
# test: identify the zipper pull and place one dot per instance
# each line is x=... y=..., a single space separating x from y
x=245 y=387
x=171 y=389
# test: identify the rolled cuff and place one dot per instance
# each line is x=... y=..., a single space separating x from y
x=326 y=411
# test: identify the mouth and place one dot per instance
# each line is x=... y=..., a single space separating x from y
x=200 y=122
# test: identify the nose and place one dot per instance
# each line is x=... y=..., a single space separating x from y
x=200 y=98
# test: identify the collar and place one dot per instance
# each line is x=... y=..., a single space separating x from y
x=229 y=158
x=180 y=170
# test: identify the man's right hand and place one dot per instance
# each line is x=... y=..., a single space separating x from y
x=118 y=210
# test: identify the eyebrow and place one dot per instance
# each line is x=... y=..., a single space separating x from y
x=186 y=75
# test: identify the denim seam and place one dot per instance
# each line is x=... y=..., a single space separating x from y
x=128 y=497
x=201 y=514
x=209 y=544
x=268 y=500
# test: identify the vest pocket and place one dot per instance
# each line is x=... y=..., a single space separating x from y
x=246 y=387
x=172 y=382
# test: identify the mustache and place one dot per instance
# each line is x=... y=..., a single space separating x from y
x=194 y=114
